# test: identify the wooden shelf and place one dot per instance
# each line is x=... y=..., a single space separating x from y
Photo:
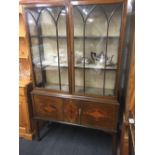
x=22 y=31
x=20 y=9
x=23 y=57
x=23 y=49
x=24 y=70
x=23 y=83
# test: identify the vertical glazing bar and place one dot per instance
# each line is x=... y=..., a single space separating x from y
x=57 y=35
x=41 y=49
x=58 y=56
x=40 y=33
x=40 y=58
x=40 y=54
x=57 y=42
x=84 y=84
x=108 y=23
x=84 y=30
x=30 y=42
x=83 y=48
x=69 y=34
x=106 y=57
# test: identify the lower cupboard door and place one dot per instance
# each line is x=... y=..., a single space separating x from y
x=100 y=116
x=48 y=107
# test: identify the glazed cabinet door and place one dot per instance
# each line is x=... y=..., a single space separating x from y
x=96 y=48
x=48 y=42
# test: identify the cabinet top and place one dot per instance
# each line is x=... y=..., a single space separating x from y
x=39 y=1
x=63 y=1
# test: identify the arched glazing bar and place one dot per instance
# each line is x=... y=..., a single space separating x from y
x=41 y=49
x=57 y=35
x=40 y=44
x=108 y=20
x=107 y=39
x=84 y=19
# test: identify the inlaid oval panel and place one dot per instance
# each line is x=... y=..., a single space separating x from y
x=71 y=111
x=99 y=115
x=48 y=107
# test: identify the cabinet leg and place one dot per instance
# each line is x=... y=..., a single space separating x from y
x=49 y=124
x=37 y=131
x=114 y=144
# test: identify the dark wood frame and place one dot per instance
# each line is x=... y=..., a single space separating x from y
x=70 y=39
x=121 y=39
x=68 y=50
x=70 y=47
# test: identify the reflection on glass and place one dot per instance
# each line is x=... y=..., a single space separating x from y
x=110 y=82
x=31 y=16
x=96 y=40
x=47 y=28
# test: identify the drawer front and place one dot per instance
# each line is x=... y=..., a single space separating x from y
x=21 y=91
x=22 y=48
x=48 y=107
x=98 y=115
x=71 y=111
x=22 y=111
x=22 y=99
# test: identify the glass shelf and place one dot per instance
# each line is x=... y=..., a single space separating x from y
x=94 y=66
x=96 y=37
x=50 y=66
x=95 y=91
x=22 y=31
x=56 y=87
x=77 y=37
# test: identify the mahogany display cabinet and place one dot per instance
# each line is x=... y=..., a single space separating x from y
x=76 y=50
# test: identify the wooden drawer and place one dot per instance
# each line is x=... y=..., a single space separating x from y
x=71 y=111
x=22 y=91
x=23 y=53
x=22 y=120
x=22 y=99
x=48 y=107
x=99 y=115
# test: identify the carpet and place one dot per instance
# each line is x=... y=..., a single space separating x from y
x=62 y=139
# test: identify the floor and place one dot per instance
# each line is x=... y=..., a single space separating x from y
x=68 y=140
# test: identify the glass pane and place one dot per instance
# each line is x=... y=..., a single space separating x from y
x=110 y=82
x=36 y=61
x=47 y=23
x=32 y=18
x=49 y=54
x=96 y=41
